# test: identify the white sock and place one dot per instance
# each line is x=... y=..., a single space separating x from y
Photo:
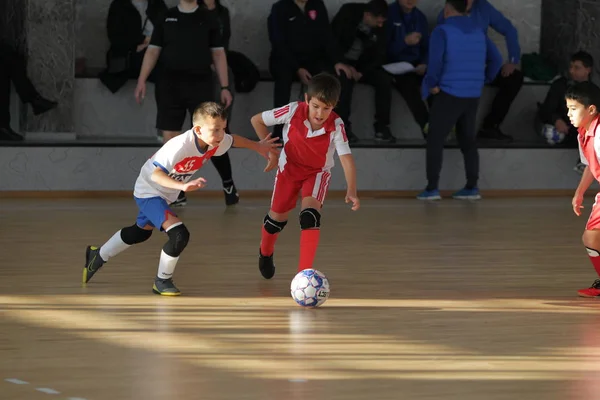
x=114 y=246
x=166 y=265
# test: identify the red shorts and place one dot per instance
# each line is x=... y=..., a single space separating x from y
x=594 y=219
x=287 y=187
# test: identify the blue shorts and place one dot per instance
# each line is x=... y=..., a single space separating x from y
x=153 y=211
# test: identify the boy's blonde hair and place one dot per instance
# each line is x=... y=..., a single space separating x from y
x=209 y=109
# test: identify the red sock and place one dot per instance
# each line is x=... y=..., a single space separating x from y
x=267 y=242
x=595 y=259
x=309 y=241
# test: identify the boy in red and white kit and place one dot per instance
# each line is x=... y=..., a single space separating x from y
x=583 y=102
x=312 y=133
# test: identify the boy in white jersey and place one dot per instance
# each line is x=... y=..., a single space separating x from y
x=161 y=179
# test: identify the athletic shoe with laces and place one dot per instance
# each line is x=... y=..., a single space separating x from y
x=593 y=291
x=93 y=262
x=165 y=287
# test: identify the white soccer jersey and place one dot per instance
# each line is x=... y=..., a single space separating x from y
x=180 y=158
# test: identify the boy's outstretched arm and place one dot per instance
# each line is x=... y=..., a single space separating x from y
x=349 y=167
x=262 y=131
x=264 y=147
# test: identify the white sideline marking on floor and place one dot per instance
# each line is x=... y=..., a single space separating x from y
x=16 y=381
x=47 y=390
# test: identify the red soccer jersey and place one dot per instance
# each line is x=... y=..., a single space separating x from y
x=589 y=147
x=305 y=151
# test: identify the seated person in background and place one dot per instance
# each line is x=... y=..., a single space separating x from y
x=358 y=29
x=510 y=79
x=129 y=24
x=13 y=69
x=302 y=46
x=551 y=119
x=408 y=41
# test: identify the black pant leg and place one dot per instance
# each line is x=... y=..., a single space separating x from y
x=444 y=114
x=409 y=87
x=466 y=134
x=382 y=83
x=14 y=64
x=509 y=88
x=283 y=77
x=4 y=96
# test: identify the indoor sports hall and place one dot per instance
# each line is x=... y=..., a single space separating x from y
x=429 y=300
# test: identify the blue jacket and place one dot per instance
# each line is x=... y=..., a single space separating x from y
x=485 y=15
x=461 y=59
x=398 y=25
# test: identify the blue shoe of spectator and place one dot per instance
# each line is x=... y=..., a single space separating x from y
x=467 y=194
x=429 y=195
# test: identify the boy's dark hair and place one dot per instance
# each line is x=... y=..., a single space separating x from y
x=585 y=93
x=586 y=58
x=377 y=8
x=459 y=5
x=325 y=88
x=209 y=109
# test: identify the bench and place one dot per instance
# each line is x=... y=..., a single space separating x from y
x=100 y=113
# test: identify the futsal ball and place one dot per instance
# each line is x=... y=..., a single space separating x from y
x=310 y=288
x=553 y=136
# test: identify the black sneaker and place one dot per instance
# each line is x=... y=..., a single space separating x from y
x=181 y=200
x=266 y=265
x=6 y=133
x=165 y=287
x=231 y=195
x=383 y=134
x=93 y=262
x=494 y=133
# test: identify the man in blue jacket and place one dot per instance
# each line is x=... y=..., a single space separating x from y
x=510 y=79
x=408 y=41
x=461 y=60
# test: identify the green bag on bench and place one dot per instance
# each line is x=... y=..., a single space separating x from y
x=536 y=68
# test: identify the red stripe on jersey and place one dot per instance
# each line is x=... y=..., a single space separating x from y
x=281 y=112
x=344 y=132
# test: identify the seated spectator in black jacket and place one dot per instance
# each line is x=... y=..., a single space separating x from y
x=551 y=119
x=129 y=24
x=408 y=41
x=358 y=28
x=302 y=46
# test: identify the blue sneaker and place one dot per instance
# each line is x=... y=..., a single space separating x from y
x=467 y=194
x=429 y=195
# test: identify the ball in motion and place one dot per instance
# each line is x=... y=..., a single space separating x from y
x=310 y=288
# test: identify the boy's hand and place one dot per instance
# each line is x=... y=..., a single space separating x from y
x=194 y=185
x=577 y=204
x=273 y=161
x=352 y=197
x=267 y=146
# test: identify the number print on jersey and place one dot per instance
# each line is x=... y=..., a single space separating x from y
x=189 y=164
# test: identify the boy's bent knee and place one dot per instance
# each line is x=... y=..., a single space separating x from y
x=273 y=226
x=310 y=218
x=179 y=237
x=134 y=234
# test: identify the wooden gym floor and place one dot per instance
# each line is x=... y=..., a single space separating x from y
x=451 y=300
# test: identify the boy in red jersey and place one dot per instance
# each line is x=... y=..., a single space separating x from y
x=583 y=101
x=312 y=133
